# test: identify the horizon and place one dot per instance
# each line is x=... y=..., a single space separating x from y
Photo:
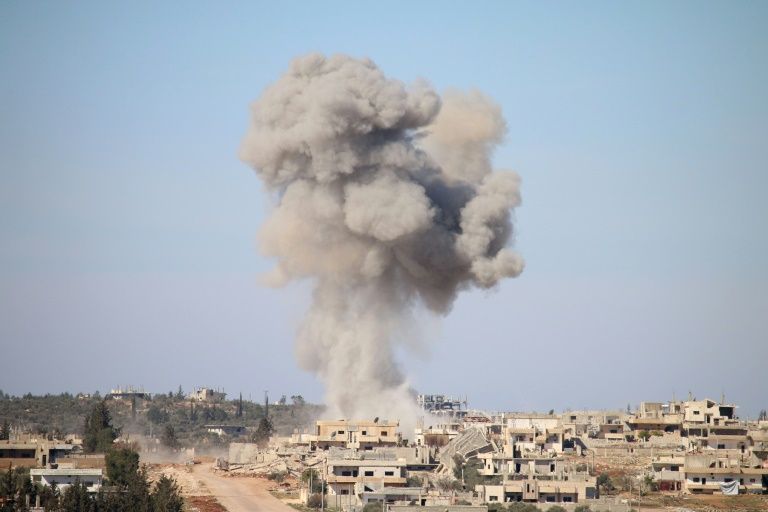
x=128 y=223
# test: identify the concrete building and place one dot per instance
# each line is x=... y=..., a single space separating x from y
x=711 y=474
x=348 y=480
x=207 y=395
x=669 y=472
x=31 y=453
x=359 y=435
x=65 y=477
x=576 y=489
x=228 y=430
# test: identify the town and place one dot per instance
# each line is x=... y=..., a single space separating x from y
x=691 y=454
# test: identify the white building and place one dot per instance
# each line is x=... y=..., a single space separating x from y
x=63 y=478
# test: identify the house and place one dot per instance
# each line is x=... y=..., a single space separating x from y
x=576 y=489
x=207 y=395
x=64 y=477
x=349 y=479
x=668 y=472
x=228 y=430
x=32 y=453
x=360 y=435
x=713 y=474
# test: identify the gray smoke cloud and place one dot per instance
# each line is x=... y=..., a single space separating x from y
x=387 y=202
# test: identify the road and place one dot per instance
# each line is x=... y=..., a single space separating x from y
x=239 y=494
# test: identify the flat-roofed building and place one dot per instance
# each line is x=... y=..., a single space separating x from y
x=64 y=477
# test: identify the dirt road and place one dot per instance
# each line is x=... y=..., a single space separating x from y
x=239 y=494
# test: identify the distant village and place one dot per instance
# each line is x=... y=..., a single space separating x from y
x=456 y=458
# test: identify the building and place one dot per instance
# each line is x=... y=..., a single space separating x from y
x=359 y=435
x=31 y=453
x=207 y=395
x=715 y=474
x=63 y=478
x=669 y=472
x=349 y=480
x=226 y=430
x=576 y=489
x=443 y=405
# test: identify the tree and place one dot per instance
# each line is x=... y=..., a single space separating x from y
x=156 y=415
x=582 y=508
x=763 y=415
x=76 y=498
x=298 y=400
x=180 y=393
x=556 y=508
x=166 y=496
x=169 y=438
x=5 y=431
x=604 y=481
x=414 y=481
x=122 y=464
x=282 y=400
x=99 y=432
x=644 y=435
x=316 y=501
x=467 y=471
x=310 y=477
x=263 y=432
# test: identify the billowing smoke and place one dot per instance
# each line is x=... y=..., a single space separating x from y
x=387 y=201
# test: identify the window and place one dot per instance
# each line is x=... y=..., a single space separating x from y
x=493 y=498
x=364 y=432
x=550 y=499
x=695 y=479
x=721 y=446
x=345 y=491
x=368 y=473
x=383 y=433
x=696 y=412
x=567 y=499
x=728 y=480
x=751 y=480
x=389 y=473
x=340 y=432
x=346 y=473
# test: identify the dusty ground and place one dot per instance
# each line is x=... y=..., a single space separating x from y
x=208 y=490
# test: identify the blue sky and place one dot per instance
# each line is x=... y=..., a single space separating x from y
x=127 y=223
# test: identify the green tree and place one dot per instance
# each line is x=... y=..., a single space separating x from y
x=263 y=432
x=468 y=471
x=122 y=465
x=166 y=496
x=77 y=499
x=5 y=430
x=156 y=415
x=556 y=508
x=169 y=438
x=99 y=431
x=644 y=435
x=604 y=481
x=310 y=477
x=582 y=508
x=414 y=481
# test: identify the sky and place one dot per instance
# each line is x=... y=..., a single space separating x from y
x=128 y=225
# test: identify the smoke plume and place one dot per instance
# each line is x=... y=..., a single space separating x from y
x=387 y=202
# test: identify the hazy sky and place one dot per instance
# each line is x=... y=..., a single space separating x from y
x=640 y=130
